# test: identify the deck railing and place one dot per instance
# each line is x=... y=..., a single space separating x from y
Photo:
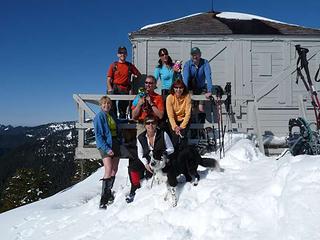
x=86 y=114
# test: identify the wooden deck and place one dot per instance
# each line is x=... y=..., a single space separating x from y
x=86 y=114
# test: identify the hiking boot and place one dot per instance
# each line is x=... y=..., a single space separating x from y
x=103 y=202
x=130 y=197
x=107 y=196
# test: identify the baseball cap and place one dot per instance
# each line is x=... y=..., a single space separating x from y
x=122 y=49
x=195 y=50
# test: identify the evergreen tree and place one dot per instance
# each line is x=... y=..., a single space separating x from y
x=25 y=186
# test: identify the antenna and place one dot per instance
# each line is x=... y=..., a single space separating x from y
x=212 y=5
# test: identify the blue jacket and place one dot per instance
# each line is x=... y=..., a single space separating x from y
x=203 y=75
x=102 y=131
x=166 y=76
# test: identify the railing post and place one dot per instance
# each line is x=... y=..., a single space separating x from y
x=258 y=127
x=81 y=138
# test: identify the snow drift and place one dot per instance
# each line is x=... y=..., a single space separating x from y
x=256 y=197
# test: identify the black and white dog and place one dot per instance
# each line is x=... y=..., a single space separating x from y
x=184 y=162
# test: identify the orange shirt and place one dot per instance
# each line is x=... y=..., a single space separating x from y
x=121 y=75
x=157 y=100
x=178 y=109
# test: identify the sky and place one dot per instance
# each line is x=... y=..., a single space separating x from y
x=255 y=198
x=51 y=49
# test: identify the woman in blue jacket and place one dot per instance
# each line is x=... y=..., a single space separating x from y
x=108 y=144
x=165 y=71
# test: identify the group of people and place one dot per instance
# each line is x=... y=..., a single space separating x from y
x=162 y=120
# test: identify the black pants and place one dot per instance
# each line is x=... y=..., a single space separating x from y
x=122 y=105
x=179 y=142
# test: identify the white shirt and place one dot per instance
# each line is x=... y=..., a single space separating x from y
x=167 y=141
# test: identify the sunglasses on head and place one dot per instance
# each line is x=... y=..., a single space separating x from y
x=148 y=83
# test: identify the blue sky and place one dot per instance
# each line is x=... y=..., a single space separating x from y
x=50 y=49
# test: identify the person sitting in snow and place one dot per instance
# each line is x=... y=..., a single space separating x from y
x=152 y=139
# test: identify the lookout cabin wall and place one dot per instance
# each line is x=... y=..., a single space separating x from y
x=260 y=69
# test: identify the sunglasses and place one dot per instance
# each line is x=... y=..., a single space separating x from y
x=149 y=123
x=148 y=83
x=164 y=54
x=122 y=53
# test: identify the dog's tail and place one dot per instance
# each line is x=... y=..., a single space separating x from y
x=210 y=163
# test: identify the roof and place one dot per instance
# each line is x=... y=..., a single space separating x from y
x=217 y=23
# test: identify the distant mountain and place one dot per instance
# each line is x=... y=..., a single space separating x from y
x=43 y=152
x=12 y=137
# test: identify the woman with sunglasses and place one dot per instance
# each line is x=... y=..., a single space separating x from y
x=178 y=106
x=165 y=71
x=152 y=141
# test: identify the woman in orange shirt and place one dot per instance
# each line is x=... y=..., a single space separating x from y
x=178 y=106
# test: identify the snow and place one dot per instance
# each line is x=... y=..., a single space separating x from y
x=244 y=16
x=255 y=198
x=59 y=127
x=29 y=135
x=274 y=140
x=173 y=20
x=226 y=15
x=69 y=136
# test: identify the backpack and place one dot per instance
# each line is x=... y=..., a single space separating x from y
x=115 y=68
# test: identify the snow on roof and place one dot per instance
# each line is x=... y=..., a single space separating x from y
x=226 y=15
x=156 y=24
x=244 y=16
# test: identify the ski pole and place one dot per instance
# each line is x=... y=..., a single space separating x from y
x=212 y=104
x=219 y=123
x=222 y=129
x=302 y=59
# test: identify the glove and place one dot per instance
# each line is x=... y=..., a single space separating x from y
x=218 y=90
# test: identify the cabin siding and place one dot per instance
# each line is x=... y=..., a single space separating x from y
x=258 y=68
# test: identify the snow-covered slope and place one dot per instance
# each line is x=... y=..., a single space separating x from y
x=256 y=197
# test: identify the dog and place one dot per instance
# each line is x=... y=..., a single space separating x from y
x=157 y=166
x=184 y=162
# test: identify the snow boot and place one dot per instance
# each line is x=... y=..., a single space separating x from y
x=132 y=194
x=130 y=197
x=112 y=181
x=106 y=194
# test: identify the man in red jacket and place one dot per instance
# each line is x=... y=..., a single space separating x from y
x=119 y=80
